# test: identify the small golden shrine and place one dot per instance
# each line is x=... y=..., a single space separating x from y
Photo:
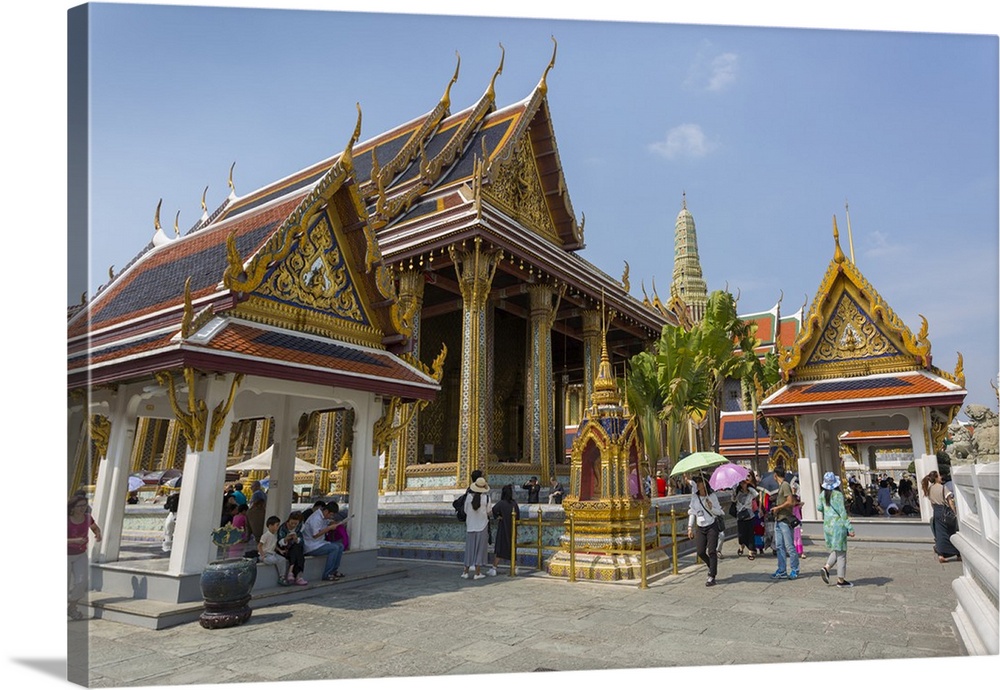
x=605 y=502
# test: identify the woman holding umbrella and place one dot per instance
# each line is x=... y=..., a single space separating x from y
x=702 y=526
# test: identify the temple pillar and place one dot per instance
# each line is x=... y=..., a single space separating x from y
x=403 y=449
x=112 y=476
x=924 y=457
x=809 y=464
x=363 y=525
x=200 y=504
x=591 y=350
x=475 y=269
x=173 y=447
x=540 y=407
x=286 y=431
x=77 y=420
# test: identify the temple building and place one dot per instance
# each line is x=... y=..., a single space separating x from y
x=856 y=367
x=400 y=313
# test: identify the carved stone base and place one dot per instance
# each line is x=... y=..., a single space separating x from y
x=226 y=614
x=608 y=567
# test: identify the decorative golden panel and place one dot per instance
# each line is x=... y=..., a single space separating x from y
x=850 y=330
x=516 y=189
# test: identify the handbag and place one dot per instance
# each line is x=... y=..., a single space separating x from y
x=743 y=514
x=950 y=519
x=793 y=522
x=732 y=510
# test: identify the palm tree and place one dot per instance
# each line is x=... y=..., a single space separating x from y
x=684 y=380
x=646 y=400
x=722 y=331
x=757 y=377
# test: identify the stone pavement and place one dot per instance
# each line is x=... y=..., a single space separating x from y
x=899 y=608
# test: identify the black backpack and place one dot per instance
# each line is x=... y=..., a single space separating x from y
x=459 y=505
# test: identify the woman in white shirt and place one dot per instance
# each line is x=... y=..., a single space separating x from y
x=704 y=508
x=477 y=518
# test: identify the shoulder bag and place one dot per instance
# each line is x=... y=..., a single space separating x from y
x=720 y=520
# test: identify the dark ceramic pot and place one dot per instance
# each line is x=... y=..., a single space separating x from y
x=226 y=587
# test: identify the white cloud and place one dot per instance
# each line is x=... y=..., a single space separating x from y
x=684 y=141
x=877 y=245
x=723 y=71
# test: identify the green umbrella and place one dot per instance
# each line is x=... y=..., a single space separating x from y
x=698 y=461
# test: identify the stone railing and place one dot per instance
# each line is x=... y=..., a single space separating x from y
x=978 y=539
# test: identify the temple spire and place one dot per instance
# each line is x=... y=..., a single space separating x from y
x=688 y=284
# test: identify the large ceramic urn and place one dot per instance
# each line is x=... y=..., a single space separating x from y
x=226 y=585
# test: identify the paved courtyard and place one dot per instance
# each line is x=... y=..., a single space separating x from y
x=900 y=608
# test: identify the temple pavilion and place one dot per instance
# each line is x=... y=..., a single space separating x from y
x=856 y=371
x=409 y=309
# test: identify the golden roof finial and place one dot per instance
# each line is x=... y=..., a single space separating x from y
x=347 y=158
x=177 y=220
x=850 y=235
x=156 y=217
x=446 y=99
x=838 y=253
x=492 y=91
x=204 y=206
x=232 y=188
x=542 y=86
x=605 y=389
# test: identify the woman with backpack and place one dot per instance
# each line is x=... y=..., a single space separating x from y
x=477 y=518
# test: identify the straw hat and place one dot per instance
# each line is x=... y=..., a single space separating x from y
x=480 y=486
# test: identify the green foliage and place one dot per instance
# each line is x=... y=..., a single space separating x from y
x=645 y=400
x=685 y=382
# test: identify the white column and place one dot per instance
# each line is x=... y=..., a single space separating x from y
x=199 y=508
x=809 y=468
x=279 y=493
x=923 y=460
x=363 y=499
x=112 y=477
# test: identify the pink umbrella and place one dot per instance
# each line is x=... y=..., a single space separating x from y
x=727 y=476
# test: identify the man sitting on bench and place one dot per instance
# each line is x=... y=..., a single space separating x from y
x=314 y=539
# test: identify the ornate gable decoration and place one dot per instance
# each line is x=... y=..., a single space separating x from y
x=851 y=331
x=516 y=189
x=304 y=278
x=315 y=275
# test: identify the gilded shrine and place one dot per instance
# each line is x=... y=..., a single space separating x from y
x=606 y=509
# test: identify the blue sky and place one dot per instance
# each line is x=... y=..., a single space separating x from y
x=769 y=132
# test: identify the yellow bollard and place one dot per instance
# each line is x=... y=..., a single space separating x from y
x=572 y=551
x=538 y=540
x=642 y=548
x=513 y=544
x=673 y=538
